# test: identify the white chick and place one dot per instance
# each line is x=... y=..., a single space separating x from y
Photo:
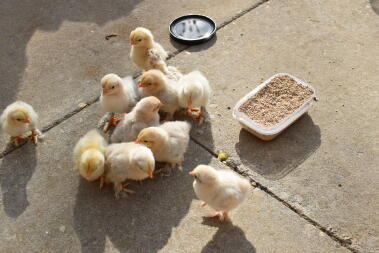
x=127 y=161
x=194 y=92
x=168 y=142
x=223 y=190
x=89 y=155
x=155 y=83
x=118 y=96
x=18 y=119
x=146 y=53
x=144 y=114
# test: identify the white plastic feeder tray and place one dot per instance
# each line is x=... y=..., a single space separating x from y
x=269 y=133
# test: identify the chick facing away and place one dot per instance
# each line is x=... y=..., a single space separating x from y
x=19 y=119
x=194 y=93
x=223 y=190
x=89 y=155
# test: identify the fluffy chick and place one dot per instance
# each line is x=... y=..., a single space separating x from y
x=155 y=83
x=89 y=155
x=18 y=119
x=144 y=114
x=127 y=161
x=168 y=142
x=118 y=96
x=146 y=53
x=194 y=92
x=222 y=190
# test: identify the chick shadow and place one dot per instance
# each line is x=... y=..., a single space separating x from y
x=16 y=170
x=21 y=18
x=276 y=158
x=193 y=47
x=141 y=222
x=375 y=6
x=228 y=238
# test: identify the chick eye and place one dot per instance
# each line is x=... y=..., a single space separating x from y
x=112 y=87
x=196 y=177
x=145 y=141
x=139 y=40
x=18 y=119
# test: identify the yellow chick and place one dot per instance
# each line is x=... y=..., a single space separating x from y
x=155 y=83
x=144 y=114
x=118 y=96
x=168 y=142
x=194 y=93
x=146 y=53
x=127 y=161
x=89 y=155
x=223 y=190
x=18 y=119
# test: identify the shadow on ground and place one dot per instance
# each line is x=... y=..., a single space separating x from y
x=191 y=48
x=21 y=18
x=142 y=222
x=16 y=170
x=375 y=6
x=228 y=238
x=275 y=159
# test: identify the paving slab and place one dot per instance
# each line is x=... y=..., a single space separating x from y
x=54 y=52
x=46 y=207
x=326 y=164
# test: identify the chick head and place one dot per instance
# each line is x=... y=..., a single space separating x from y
x=204 y=174
x=19 y=115
x=149 y=104
x=143 y=159
x=152 y=80
x=141 y=37
x=91 y=165
x=111 y=84
x=152 y=137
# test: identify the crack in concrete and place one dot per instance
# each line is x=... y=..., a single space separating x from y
x=10 y=148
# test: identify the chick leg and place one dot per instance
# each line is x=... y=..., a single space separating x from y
x=220 y=215
x=112 y=122
x=102 y=181
x=193 y=112
x=33 y=136
x=17 y=139
x=125 y=189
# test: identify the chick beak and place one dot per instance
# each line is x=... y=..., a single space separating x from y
x=137 y=141
x=27 y=120
x=89 y=173
x=150 y=173
x=133 y=42
x=142 y=85
x=105 y=92
x=191 y=173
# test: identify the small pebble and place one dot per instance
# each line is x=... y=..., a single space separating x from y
x=62 y=229
x=339 y=185
x=82 y=105
x=228 y=107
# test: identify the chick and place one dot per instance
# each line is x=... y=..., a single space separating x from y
x=194 y=92
x=146 y=53
x=127 y=161
x=18 y=119
x=168 y=142
x=223 y=190
x=155 y=83
x=89 y=155
x=118 y=96
x=144 y=114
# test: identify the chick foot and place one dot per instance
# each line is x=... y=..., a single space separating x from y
x=33 y=136
x=17 y=139
x=111 y=123
x=196 y=113
x=220 y=215
x=125 y=189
